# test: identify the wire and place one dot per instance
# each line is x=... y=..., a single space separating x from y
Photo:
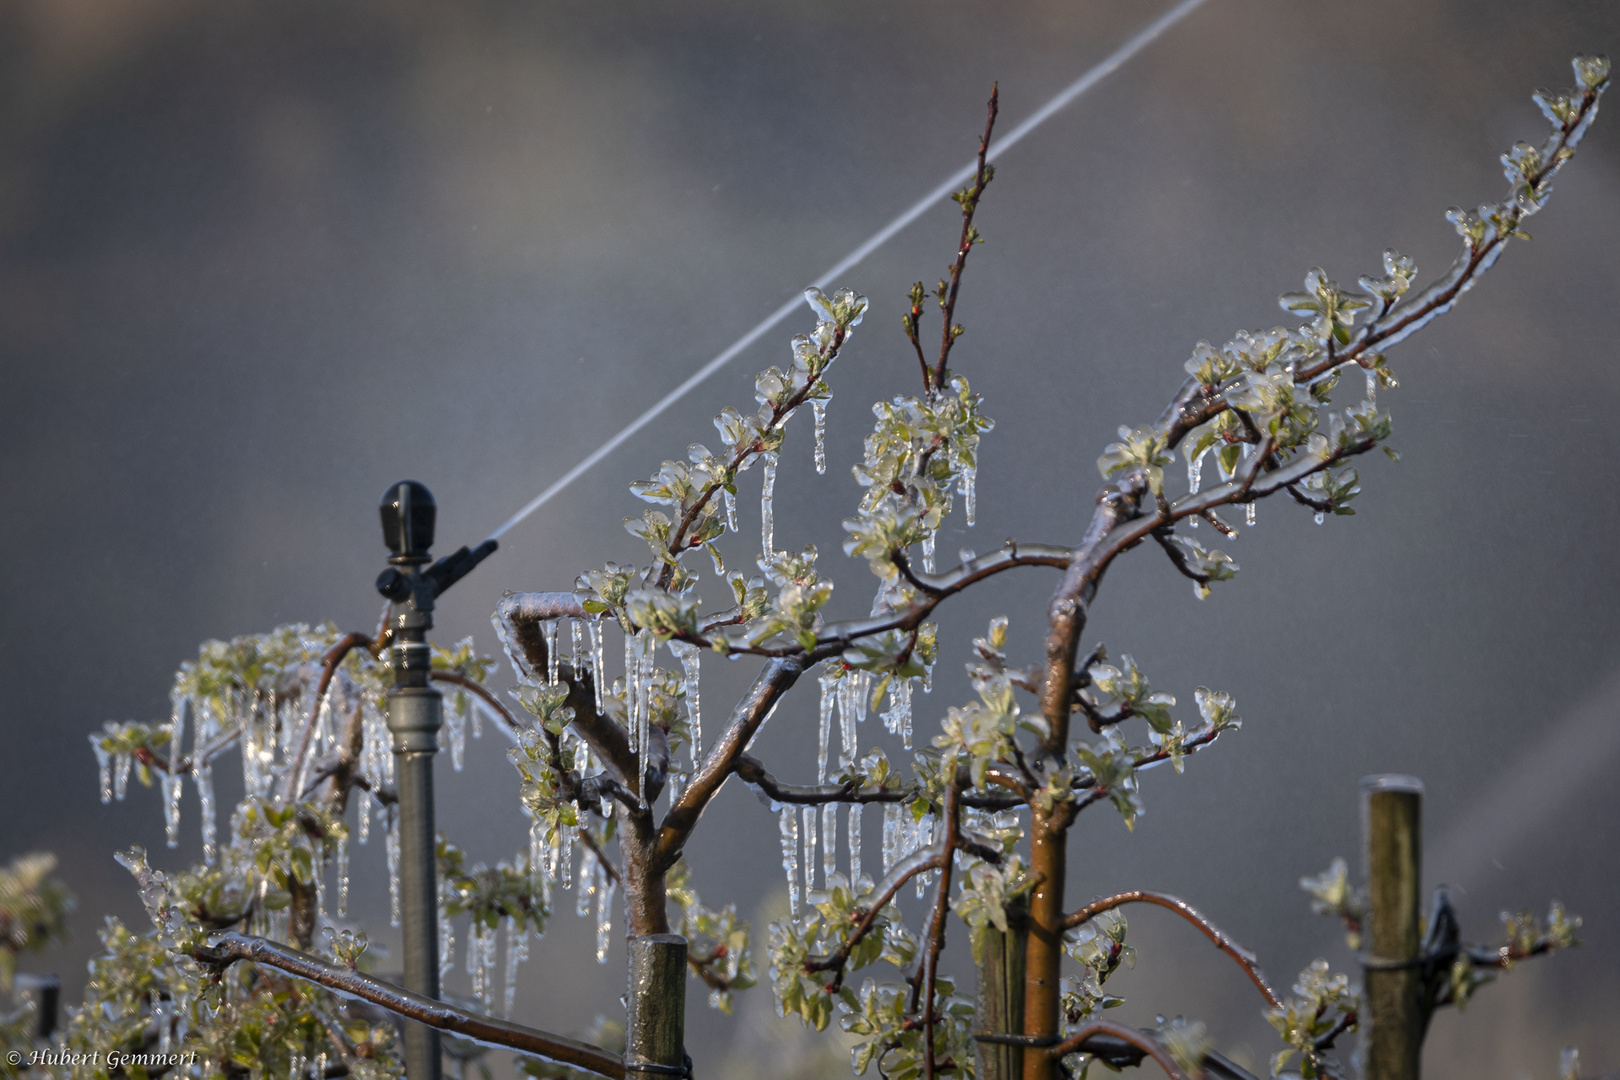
x=1113 y=62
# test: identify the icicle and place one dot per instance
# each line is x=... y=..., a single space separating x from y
x=788 y=819
x=104 y=763
x=928 y=553
x=897 y=719
x=1372 y=386
x=809 y=850
x=645 y=649
x=486 y=961
x=967 y=484
x=202 y=774
x=632 y=668
x=447 y=944
x=922 y=833
x=1195 y=471
x=731 y=508
x=576 y=646
x=829 y=683
x=455 y=727
x=818 y=406
x=767 y=505
x=122 y=763
x=1248 y=514
x=829 y=843
x=173 y=781
x=320 y=1066
x=517 y=951
x=587 y=884
x=548 y=631
x=598 y=663
x=393 y=869
x=891 y=829
x=475 y=960
x=342 y=859
x=362 y=831
x=604 y=913
x=855 y=847
x=848 y=747
x=537 y=854
x=297 y=1072
x=691 y=658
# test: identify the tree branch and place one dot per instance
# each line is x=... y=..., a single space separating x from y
x=1244 y=958
x=226 y=949
x=329 y=665
x=970 y=202
x=1139 y=1039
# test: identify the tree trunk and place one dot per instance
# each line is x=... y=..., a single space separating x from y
x=301 y=912
x=1043 y=954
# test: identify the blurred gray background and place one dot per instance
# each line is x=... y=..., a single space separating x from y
x=258 y=260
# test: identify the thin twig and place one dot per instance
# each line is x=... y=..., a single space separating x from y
x=1244 y=958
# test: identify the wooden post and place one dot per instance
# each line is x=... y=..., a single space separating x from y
x=1000 y=1008
x=1393 y=1025
x=655 y=1024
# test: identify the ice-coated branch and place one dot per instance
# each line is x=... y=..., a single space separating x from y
x=969 y=200
x=918 y=862
x=678 y=544
x=329 y=665
x=1150 y=1047
x=226 y=949
x=774 y=680
x=753 y=773
x=477 y=689
x=935 y=937
x=1243 y=957
x=517 y=618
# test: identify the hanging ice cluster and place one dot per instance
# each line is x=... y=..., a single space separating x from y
x=921 y=454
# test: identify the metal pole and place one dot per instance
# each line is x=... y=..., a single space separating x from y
x=1392 y=815
x=654 y=1027
x=415 y=712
